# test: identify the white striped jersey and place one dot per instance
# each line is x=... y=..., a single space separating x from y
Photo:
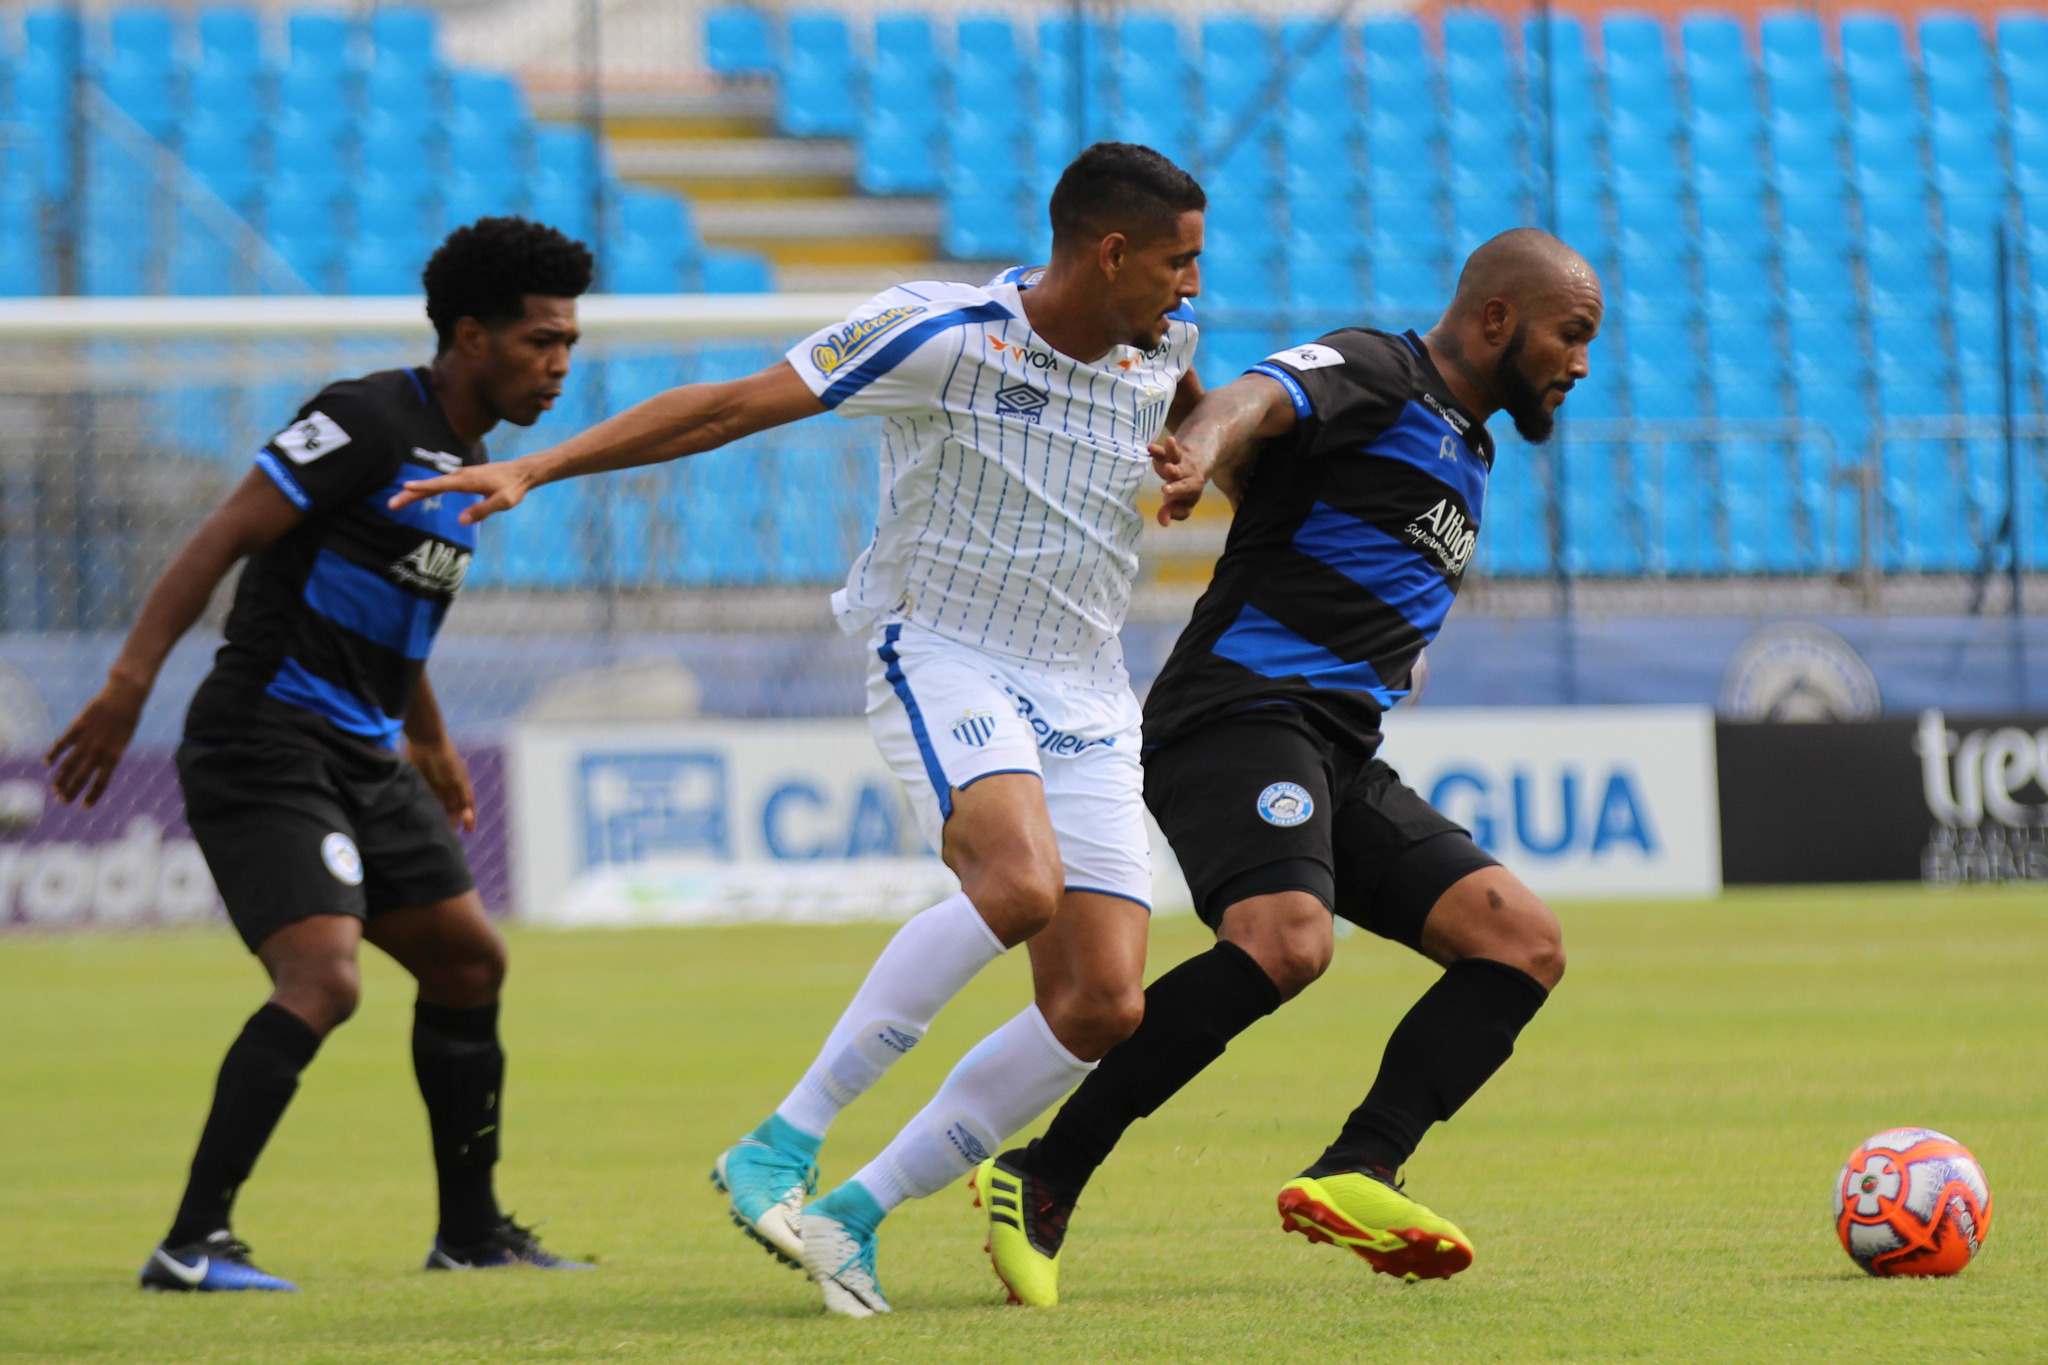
x=1010 y=473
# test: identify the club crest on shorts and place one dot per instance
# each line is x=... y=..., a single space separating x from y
x=338 y=851
x=974 y=728
x=1286 y=804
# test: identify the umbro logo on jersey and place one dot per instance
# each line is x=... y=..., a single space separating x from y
x=1021 y=400
x=1445 y=530
x=856 y=336
x=1037 y=360
x=974 y=729
x=433 y=567
x=309 y=438
x=438 y=459
x=1456 y=420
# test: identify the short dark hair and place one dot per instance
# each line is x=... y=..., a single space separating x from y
x=1121 y=187
x=486 y=269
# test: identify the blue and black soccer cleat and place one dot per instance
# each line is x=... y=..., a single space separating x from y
x=508 y=1244
x=220 y=1264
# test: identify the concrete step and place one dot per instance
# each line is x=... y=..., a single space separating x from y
x=739 y=168
x=824 y=231
x=707 y=109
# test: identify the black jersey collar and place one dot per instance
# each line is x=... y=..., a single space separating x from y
x=1471 y=428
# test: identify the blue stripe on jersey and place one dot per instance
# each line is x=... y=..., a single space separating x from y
x=892 y=669
x=364 y=601
x=1271 y=650
x=1302 y=407
x=1384 y=565
x=283 y=478
x=1420 y=438
x=899 y=350
x=294 y=686
x=419 y=388
x=437 y=516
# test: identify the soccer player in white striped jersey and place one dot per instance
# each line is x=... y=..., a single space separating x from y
x=1017 y=419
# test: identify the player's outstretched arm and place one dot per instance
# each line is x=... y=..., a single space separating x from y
x=1218 y=442
x=431 y=750
x=685 y=421
x=87 y=752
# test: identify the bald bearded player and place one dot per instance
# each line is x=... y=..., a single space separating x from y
x=1358 y=467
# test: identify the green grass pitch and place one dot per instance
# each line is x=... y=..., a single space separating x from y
x=1647 y=1179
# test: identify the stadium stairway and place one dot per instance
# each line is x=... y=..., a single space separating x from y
x=796 y=200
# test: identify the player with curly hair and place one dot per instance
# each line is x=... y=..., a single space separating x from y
x=321 y=828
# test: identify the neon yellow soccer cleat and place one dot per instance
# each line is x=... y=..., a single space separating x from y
x=1395 y=1235
x=1027 y=1223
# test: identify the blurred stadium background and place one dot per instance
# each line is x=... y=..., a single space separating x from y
x=1808 y=478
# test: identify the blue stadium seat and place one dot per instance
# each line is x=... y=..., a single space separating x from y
x=1234 y=282
x=1485 y=160
x=1325 y=217
x=225 y=160
x=1241 y=220
x=988 y=74
x=1398 y=70
x=1237 y=70
x=1735 y=274
x=1815 y=219
x=406 y=37
x=1796 y=67
x=736 y=41
x=2023 y=57
x=1818 y=282
x=379 y=264
x=1806 y=151
x=985 y=227
x=1324 y=284
x=1478 y=218
x=231 y=37
x=1475 y=55
x=1402 y=161
x=819 y=98
x=323 y=49
x=487 y=125
x=1874 y=52
x=565 y=163
x=1570 y=79
x=1582 y=221
x=1153 y=85
x=1068 y=54
x=1409 y=286
x=1320 y=118
x=480 y=190
x=735 y=272
x=897 y=150
x=562 y=207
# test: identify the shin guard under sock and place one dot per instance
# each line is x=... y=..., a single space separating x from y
x=1448 y=1044
x=258 y=1078
x=1191 y=1014
x=461 y=1070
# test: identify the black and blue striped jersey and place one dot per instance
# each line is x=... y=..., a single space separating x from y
x=1349 y=544
x=332 y=623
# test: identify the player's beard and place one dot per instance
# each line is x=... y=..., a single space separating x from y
x=1522 y=399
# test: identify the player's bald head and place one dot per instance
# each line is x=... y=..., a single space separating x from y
x=1526 y=267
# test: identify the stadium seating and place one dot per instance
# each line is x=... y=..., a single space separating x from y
x=352 y=155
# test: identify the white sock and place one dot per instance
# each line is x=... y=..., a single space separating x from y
x=934 y=955
x=1010 y=1078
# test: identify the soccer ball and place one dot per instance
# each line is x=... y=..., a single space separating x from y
x=1912 y=1201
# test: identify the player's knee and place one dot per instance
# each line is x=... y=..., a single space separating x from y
x=473 y=978
x=1297 y=959
x=1537 y=944
x=1090 y=1023
x=1017 y=895
x=322 y=994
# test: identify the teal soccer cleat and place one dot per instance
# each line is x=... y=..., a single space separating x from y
x=766 y=1174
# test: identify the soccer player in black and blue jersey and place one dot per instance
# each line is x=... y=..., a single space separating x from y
x=321 y=829
x=1358 y=467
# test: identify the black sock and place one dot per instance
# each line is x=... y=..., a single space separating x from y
x=1453 y=1039
x=1191 y=1014
x=461 y=1070
x=258 y=1078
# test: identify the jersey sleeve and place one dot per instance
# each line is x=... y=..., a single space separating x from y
x=1350 y=383
x=337 y=451
x=890 y=355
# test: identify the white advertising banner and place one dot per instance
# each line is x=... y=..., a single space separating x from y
x=715 y=821
x=1589 y=801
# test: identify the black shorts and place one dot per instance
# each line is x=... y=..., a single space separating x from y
x=291 y=831
x=1261 y=802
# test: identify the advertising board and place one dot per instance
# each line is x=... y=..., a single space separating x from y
x=1580 y=802
x=1939 y=799
x=710 y=821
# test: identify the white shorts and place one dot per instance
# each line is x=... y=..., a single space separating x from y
x=945 y=715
